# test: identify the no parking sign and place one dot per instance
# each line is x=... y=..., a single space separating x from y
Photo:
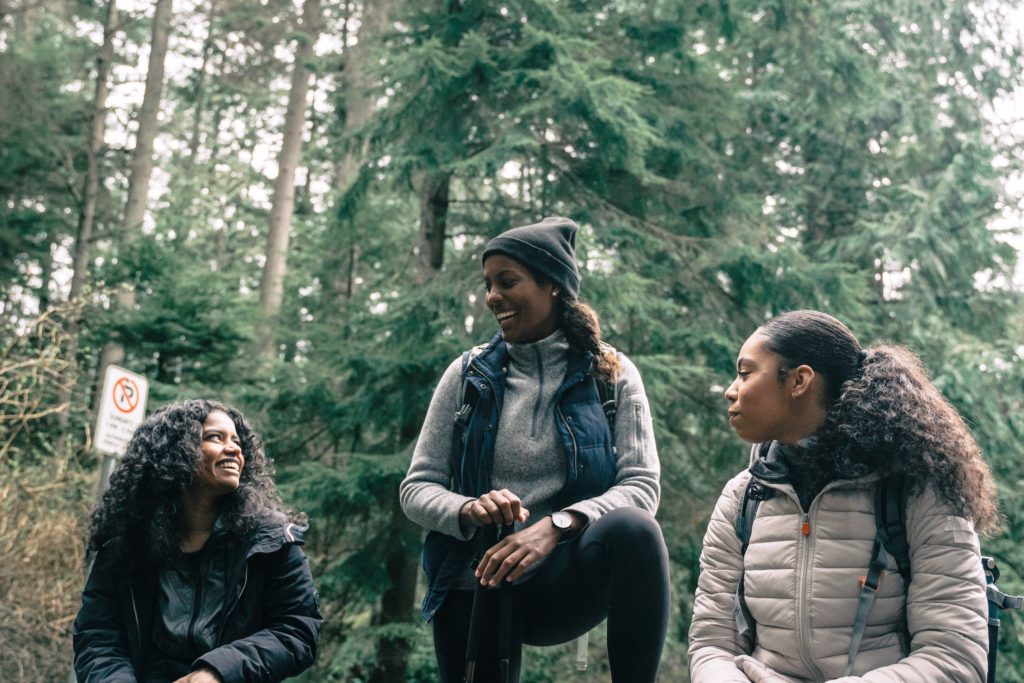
x=122 y=409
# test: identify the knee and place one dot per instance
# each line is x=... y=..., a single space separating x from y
x=633 y=530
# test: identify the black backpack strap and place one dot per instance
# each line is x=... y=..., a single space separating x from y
x=467 y=400
x=891 y=520
x=607 y=394
x=753 y=495
x=997 y=601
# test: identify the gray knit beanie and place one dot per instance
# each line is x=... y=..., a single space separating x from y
x=548 y=247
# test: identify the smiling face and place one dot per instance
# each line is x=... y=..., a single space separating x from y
x=761 y=404
x=527 y=311
x=220 y=468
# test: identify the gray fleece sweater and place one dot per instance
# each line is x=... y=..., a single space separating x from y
x=529 y=459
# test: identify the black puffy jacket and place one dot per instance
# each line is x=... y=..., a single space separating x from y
x=269 y=631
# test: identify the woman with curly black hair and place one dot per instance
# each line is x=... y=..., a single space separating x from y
x=798 y=585
x=198 y=576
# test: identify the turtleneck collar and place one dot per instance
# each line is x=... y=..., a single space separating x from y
x=551 y=348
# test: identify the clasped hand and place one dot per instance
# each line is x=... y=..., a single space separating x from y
x=514 y=554
x=203 y=675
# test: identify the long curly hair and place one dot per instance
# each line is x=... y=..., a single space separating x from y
x=140 y=513
x=884 y=415
x=582 y=329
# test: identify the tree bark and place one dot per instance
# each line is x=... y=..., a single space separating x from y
x=397 y=604
x=200 y=93
x=97 y=133
x=433 y=222
x=141 y=167
x=87 y=213
x=283 y=202
x=357 y=81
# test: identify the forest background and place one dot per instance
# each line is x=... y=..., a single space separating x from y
x=281 y=204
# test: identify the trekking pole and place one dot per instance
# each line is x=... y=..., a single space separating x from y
x=485 y=539
x=997 y=600
x=505 y=621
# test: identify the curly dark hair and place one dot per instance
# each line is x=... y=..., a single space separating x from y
x=139 y=514
x=885 y=415
x=582 y=329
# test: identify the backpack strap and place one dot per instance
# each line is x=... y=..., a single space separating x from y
x=466 y=405
x=753 y=495
x=868 y=589
x=891 y=520
x=997 y=600
x=607 y=393
x=890 y=539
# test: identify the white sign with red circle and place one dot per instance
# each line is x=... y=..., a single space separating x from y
x=122 y=409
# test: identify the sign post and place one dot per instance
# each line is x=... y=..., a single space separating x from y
x=122 y=410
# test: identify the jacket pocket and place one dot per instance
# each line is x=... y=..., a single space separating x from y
x=961 y=531
x=639 y=433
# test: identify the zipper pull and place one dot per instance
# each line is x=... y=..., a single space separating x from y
x=805 y=528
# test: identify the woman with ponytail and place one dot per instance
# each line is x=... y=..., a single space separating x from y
x=516 y=437
x=831 y=422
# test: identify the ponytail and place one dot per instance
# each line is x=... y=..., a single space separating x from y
x=884 y=415
x=582 y=329
x=891 y=418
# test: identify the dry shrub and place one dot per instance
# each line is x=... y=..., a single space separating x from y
x=42 y=564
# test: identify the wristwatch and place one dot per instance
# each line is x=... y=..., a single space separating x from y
x=562 y=521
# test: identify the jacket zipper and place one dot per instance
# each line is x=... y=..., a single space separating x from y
x=540 y=391
x=234 y=603
x=575 y=458
x=803 y=626
x=197 y=603
x=487 y=379
x=135 y=612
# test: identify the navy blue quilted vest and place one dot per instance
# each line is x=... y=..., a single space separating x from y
x=586 y=439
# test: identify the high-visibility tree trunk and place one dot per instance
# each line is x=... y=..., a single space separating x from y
x=283 y=202
x=141 y=167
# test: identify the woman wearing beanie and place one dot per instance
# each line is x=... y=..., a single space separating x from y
x=516 y=441
x=848 y=442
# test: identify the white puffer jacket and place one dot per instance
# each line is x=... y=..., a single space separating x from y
x=802 y=592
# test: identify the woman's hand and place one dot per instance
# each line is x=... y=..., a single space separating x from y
x=496 y=507
x=203 y=675
x=514 y=554
x=758 y=672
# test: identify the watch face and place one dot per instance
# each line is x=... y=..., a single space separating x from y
x=562 y=520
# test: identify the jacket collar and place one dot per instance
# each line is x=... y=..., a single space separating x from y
x=495 y=356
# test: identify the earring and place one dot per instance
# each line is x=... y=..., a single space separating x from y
x=554 y=292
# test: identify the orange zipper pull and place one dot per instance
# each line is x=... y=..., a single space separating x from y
x=805 y=528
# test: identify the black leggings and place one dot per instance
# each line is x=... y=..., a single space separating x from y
x=617 y=568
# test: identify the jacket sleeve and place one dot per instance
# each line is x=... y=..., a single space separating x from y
x=424 y=493
x=714 y=643
x=98 y=635
x=947 y=611
x=637 y=468
x=287 y=644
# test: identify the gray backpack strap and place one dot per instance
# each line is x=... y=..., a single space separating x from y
x=868 y=589
x=890 y=539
